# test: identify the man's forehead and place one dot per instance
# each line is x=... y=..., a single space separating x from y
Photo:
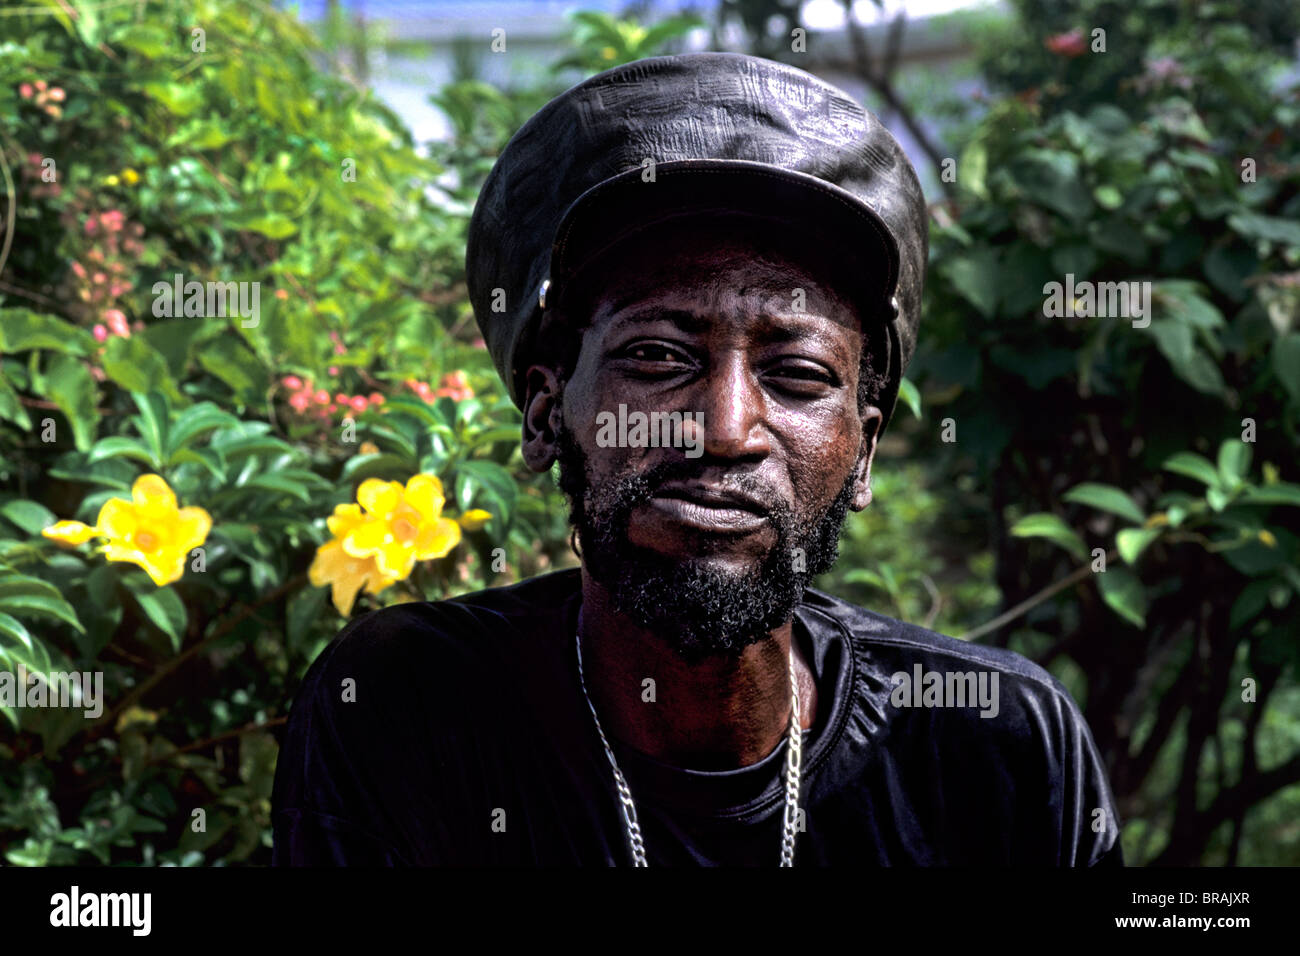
x=774 y=321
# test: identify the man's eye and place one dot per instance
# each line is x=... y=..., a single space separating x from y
x=802 y=376
x=653 y=352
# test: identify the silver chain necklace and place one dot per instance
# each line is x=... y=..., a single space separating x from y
x=792 y=758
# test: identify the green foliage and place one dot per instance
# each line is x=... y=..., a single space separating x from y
x=226 y=157
x=917 y=553
x=1165 y=442
x=604 y=41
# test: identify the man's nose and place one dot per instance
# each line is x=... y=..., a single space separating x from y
x=734 y=411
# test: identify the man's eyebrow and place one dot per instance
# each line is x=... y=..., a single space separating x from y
x=785 y=329
x=689 y=322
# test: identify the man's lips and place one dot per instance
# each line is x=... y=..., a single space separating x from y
x=709 y=507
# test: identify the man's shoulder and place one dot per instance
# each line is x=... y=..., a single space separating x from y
x=892 y=646
x=455 y=634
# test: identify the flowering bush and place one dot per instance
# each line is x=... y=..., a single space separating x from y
x=182 y=495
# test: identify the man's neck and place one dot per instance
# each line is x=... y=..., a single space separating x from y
x=720 y=714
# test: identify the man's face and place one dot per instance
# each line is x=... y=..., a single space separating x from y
x=710 y=544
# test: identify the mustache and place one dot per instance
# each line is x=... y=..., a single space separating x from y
x=640 y=487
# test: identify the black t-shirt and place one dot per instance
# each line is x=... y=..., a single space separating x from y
x=456 y=733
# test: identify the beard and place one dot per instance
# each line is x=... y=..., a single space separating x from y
x=698 y=607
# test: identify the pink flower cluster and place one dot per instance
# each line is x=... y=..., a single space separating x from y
x=102 y=279
x=1068 y=45
x=114 y=324
x=454 y=385
x=305 y=398
x=45 y=96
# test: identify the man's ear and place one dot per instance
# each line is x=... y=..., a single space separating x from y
x=542 y=415
x=871 y=419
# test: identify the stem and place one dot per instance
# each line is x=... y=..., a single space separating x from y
x=225 y=735
x=222 y=629
x=1033 y=601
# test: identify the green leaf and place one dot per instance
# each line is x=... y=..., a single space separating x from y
x=162 y=606
x=907 y=393
x=1252 y=600
x=200 y=134
x=279 y=484
x=865 y=576
x=174 y=340
x=14 y=633
x=1281 y=493
x=147 y=40
x=973 y=167
x=1254 y=558
x=137 y=366
x=1254 y=226
x=1124 y=594
x=101 y=586
x=1181 y=301
x=229 y=360
x=203 y=457
x=1049 y=526
x=1106 y=498
x=179 y=98
x=1078 y=258
x=1108 y=197
x=1177 y=342
x=273 y=227
x=152 y=420
x=195 y=421
x=69 y=385
x=490 y=481
x=1051 y=178
x=22 y=596
x=1131 y=542
x=31 y=516
x=22 y=329
x=121 y=447
x=1234 y=460
x=1193 y=466
x=11 y=406
x=391 y=467
x=974 y=275
x=505 y=433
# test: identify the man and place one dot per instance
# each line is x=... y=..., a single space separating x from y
x=733 y=251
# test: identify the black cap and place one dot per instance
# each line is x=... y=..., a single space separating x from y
x=695 y=133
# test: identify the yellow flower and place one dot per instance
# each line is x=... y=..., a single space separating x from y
x=130 y=176
x=345 y=574
x=401 y=525
x=377 y=540
x=1266 y=536
x=70 y=533
x=149 y=530
x=608 y=53
x=110 y=180
x=368 y=448
x=474 y=519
